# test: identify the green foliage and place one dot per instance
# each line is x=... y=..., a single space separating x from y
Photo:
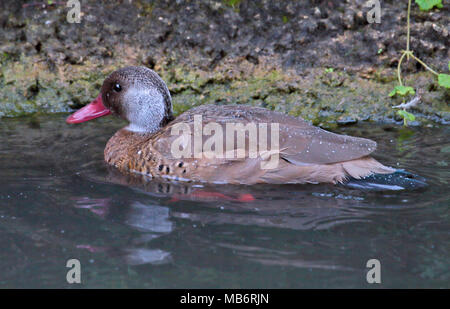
x=329 y=70
x=444 y=80
x=4 y=57
x=402 y=91
x=426 y=5
x=406 y=116
x=232 y=3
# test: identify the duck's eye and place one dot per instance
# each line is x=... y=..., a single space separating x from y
x=117 y=88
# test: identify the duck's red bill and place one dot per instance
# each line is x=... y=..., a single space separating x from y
x=91 y=111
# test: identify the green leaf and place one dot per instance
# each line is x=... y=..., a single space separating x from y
x=405 y=115
x=449 y=65
x=441 y=163
x=444 y=80
x=402 y=91
x=426 y=5
x=232 y=3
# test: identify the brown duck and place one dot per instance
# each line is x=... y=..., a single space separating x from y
x=305 y=154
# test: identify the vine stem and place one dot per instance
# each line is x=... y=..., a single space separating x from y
x=408 y=28
x=399 y=69
x=410 y=53
x=425 y=66
x=407 y=52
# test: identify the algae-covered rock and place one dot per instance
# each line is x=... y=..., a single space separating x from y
x=325 y=64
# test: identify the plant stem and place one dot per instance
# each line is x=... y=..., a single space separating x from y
x=423 y=63
x=405 y=122
x=407 y=51
x=410 y=53
x=408 y=28
x=399 y=68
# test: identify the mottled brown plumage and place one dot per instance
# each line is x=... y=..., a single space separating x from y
x=307 y=154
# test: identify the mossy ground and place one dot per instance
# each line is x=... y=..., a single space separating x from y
x=327 y=97
x=325 y=63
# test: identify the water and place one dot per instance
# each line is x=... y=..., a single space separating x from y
x=59 y=201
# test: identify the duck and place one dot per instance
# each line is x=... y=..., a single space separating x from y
x=157 y=144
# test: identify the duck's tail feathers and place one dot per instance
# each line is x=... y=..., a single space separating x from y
x=399 y=180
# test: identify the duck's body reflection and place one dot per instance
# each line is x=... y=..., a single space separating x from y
x=151 y=221
x=160 y=206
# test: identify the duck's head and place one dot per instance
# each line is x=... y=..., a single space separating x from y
x=136 y=94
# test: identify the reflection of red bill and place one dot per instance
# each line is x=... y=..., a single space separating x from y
x=212 y=196
x=99 y=206
x=90 y=248
x=91 y=111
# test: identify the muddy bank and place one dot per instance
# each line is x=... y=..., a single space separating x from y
x=318 y=59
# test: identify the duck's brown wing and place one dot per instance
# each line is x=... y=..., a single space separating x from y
x=299 y=142
x=311 y=145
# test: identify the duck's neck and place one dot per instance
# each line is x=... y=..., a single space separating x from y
x=133 y=128
x=149 y=129
x=148 y=110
